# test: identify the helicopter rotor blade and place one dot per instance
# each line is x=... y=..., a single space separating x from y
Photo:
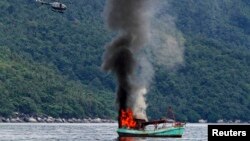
x=43 y=2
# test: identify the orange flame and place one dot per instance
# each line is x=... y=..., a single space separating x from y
x=127 y=119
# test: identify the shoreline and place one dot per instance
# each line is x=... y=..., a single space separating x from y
x=49 y=119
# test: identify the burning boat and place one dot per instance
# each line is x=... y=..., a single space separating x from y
x=124 y=57
x=130 y=127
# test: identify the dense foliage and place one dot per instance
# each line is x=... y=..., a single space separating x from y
x=50 y=62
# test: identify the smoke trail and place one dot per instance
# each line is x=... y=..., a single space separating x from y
x=166 y=46
x=131 y=19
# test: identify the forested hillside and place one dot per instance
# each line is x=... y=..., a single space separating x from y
x=50 y=62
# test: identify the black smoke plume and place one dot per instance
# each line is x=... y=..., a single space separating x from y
x=130 y=19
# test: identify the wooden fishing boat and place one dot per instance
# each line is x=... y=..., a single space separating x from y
x=164 y=132
x=175 y=130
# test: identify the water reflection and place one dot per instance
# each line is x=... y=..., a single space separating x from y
x=130 y=139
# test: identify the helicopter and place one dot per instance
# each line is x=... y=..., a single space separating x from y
x=56 y=6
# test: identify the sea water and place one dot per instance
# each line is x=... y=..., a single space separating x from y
x=84 y=132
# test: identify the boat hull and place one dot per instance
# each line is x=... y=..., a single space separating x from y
x=165 y=132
